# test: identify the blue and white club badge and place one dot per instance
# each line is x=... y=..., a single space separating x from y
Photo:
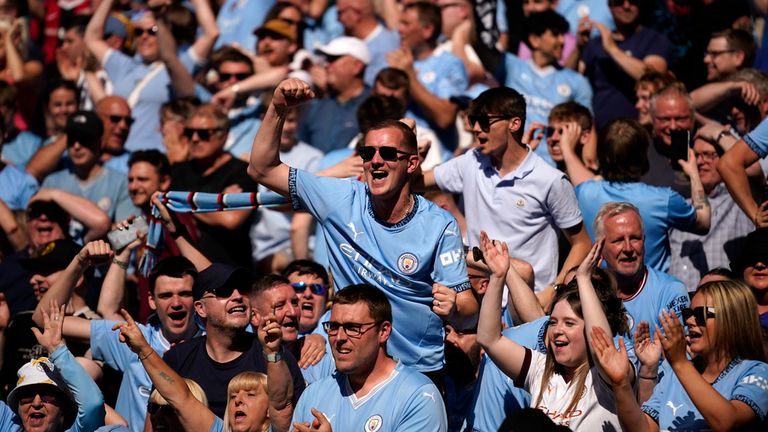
x=408 y=263
x=373 y=424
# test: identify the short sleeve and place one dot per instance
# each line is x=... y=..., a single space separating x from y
x=424 y=411
x=449 y=175
x=118 y=65
x=651 y=406
x=562 y=204
x=757 y=139
x=752 y=389
x=450 y=267
x=680 y=213
x=105 y=345
x=317 y=195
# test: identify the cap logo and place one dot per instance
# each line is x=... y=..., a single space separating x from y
x=79 y=119
x=47 y=249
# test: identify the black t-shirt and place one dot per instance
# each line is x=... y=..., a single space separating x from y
x=191 y=360
x=14 y=282
x=217 y=243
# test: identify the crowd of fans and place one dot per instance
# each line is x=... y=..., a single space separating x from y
x=383 y=215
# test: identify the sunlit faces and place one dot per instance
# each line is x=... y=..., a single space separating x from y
x=283 y=301
x=247 y=409
x=143 y=181
x=700 y=338
x=387 y=178
x=41 y=409
x=565 y=334
x=290 y=132
x=349 y=13
x=355 y=355
x=224 y=313
x=491 y=141
x=706 y=161
x=624 y=244
x=341 y=71
x=720 y=59
x=452 y=13
x=72 y=45
x=466 y=342
x=115 y=114
x=311 y=306
x=172 y=300
x=756 y=275
x=625 y=13
x=275 y=48
x=548 y=44
x=61 y=104
x=205 y=147
x=83 y=154
x=146 y=42
x=230 y=72
x=412 y=34
x=672 y=113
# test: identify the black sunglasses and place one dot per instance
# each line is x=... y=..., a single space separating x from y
x=549 y=131
x=152 y=31
x=223 y=76
x=615 y=3
x=46 y=398
x=386 y=152
x=154 y=409
x=226 y=290
x=699 y=314
x=485 y=121
x=117 y=119
x=316 y=288
x=204 y=134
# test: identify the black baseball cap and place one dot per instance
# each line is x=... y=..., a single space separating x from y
x=221 y=279
x=52 y=257
x=84 y=127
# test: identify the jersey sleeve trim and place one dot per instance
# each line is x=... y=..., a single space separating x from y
x=752 y=404
x=652 y=413
x=461 y=287
x=292 y=191
x=520 y=380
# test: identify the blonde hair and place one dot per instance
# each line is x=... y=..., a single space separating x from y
x=737 y=325
x=246 y=381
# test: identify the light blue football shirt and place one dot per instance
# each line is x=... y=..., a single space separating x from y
x=403 y=260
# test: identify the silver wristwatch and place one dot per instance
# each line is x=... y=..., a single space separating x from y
x=273 y=358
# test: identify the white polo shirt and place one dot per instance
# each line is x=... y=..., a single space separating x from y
x=525 y=208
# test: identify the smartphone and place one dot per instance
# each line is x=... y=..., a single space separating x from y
x=681 y=142
x=120 y=238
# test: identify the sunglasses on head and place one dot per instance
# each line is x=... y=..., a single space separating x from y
x=152 y=31
x=223 y=76
x=699 y=314
x=315 y=288
x=117 y=119
x=485 y=121
x=204 y=134
x=386 y=152
x=46 y=398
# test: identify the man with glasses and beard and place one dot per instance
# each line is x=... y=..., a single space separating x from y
x=222 y=302
x=378 y=231
x=223 y=235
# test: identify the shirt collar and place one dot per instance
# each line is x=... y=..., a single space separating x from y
x=522 y=170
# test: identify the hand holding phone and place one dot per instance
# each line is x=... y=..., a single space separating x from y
x=120 y=238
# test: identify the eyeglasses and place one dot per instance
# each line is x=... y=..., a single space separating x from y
x=315 y=288
x=386 y=152
x=707 y=156
x=485 y=121
x=155 y=409
x=716 y=53
x=223 y=76
x=152 y=31
x=616 y=3
x=117 y=119
x=47 y=398
x=226 y=290
x=699 y=314
x=204 y=134
x=351 y=329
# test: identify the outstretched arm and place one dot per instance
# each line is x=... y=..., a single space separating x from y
x=591 y=307
x=193 y=415
x=94 y=33
x=265 y=166
x=506 y=354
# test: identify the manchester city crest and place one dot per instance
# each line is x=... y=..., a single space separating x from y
x=373 y=423
x=407 y=263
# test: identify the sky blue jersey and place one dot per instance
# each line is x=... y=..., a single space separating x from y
x=406 y=401
x=403 y=260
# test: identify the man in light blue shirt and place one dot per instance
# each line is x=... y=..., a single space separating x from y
x=379 y=232
x=359 y=20
x=370 y=391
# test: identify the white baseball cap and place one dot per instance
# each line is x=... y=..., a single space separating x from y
x=346 y=45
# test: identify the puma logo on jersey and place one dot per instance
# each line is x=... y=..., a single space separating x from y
x=674 y=408
x=355 y=233
x=429 y=395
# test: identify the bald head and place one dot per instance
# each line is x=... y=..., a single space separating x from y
x=115 y=113
x=357 y=16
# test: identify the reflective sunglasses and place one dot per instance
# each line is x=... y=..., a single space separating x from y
x=485 y=121
x=315 y=288
x=386 y=152
x=204 y=134
x=152 y=31
x=699 y=314
x=223 y=76
x=351 y=329
x=116 y=119
x=48 y=398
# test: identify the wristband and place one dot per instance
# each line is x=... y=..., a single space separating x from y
x=181 y=230
x=147 y=356
x=649 y=378
x=122 y=264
